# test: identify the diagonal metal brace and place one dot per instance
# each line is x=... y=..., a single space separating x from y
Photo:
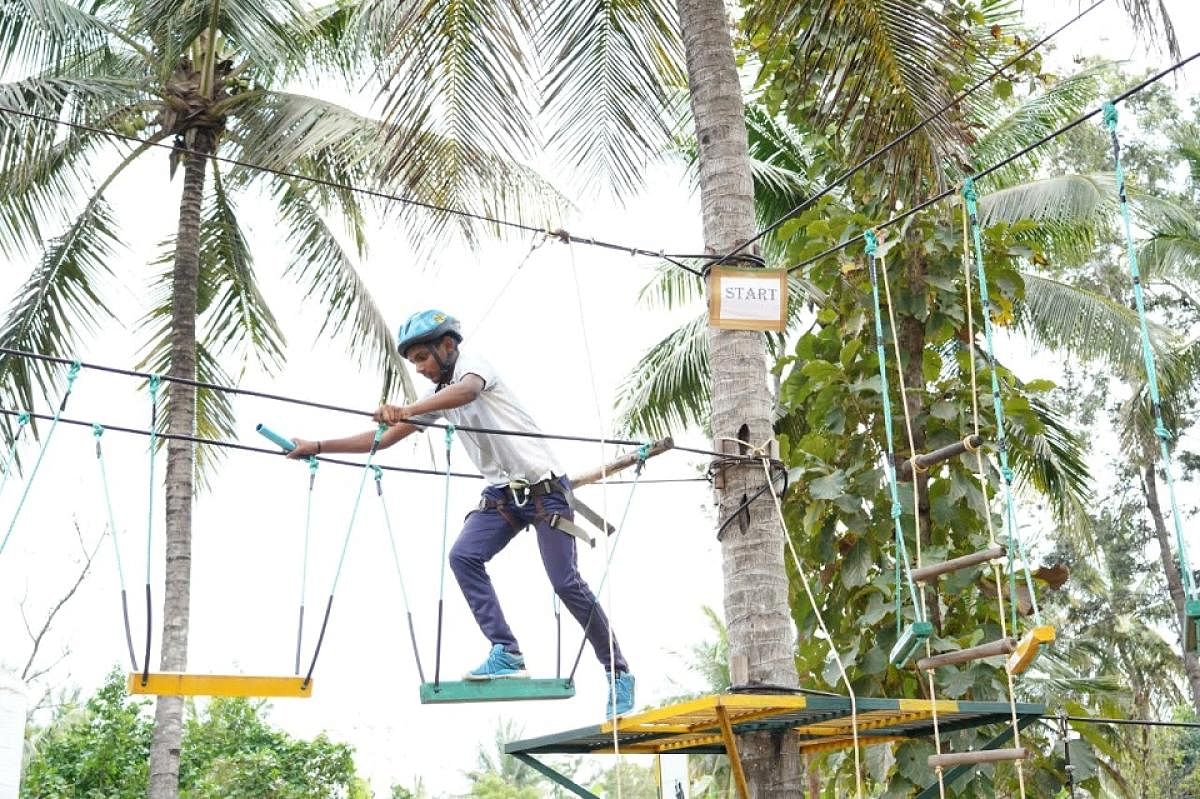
x=553 y=775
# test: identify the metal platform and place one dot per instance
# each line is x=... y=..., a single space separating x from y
x=708 y=725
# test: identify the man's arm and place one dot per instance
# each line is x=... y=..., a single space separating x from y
x=454 y=395
x=358 y=443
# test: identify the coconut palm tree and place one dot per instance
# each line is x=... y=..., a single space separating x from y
x=207 y=80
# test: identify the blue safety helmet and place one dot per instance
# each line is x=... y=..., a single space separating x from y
x=426 y=327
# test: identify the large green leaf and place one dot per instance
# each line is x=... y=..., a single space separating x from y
x=668 y=388
x=47 y=33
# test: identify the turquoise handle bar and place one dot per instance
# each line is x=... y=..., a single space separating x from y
x=274 y=437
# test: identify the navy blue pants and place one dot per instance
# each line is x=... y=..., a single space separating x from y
x=487 y=531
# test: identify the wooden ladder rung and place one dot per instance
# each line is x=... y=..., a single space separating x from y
x=1003 y=646
x=977 y=757
x=925 y=460
x=934 y=570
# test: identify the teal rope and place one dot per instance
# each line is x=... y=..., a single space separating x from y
x=354 y=511
x=872 y=245
x=154 y=383
x=313 y=465
x=1160 y=428
x=11 y=459
x=97 y=431
x=1010 y=513
x=72 y=373
x=445 y=513
x=387 y=520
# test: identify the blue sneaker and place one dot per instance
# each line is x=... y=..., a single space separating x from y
x=500 y=664
x=620 y=694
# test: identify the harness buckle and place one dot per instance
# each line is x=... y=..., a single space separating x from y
x=520 y=492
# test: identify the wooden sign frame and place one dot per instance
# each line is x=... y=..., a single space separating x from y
x=770 y=280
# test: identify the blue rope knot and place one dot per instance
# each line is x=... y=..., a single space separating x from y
x=969 y=192
x=1110 y=116
x=23 y=418
x=73 y=372
x=643 y=452
x=1007 y=473
x=97 y=429
x=872 y=243
x=378 y=472
x=449 y=434
x=1162 y=432
x=896 y=510
x=313 y=464
x=155 y=382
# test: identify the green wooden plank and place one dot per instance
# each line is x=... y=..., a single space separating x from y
x=496 y=690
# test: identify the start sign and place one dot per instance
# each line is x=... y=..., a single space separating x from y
x=747 y=299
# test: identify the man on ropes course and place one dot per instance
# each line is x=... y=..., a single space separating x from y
x=525 y=485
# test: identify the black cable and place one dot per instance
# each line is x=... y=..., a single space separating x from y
x=1191 y=725
x=849 y=173
x=328 y=407
x=1005 y=161
x=561 y=234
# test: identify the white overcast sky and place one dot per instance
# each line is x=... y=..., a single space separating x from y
x=248 y=528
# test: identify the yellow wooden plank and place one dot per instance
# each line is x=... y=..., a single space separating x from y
x=943 y=705
x=647 y=719
x=731 y=751
x=179 y=684
x=833 y=744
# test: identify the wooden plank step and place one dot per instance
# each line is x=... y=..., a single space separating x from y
x=496 y=690
x=173 y=683
x=1002 y=646
x=924 y=461
x=1028 y=648
x=934 y=570
x=977 y=757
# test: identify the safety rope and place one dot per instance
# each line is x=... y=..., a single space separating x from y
x=603 y=424
x=10 y=459
x=534 y=243
x=1160 y=429
x=812 y=601
x=72 y=373
x=337 y=574
x=981 y=472
x=387 y=520
x=912 y=449
x=1006 y=472
x=643 y=454
x=437 y=652
x=98 y=431
x=152 y=384
x=313 y=465
x=872 y=246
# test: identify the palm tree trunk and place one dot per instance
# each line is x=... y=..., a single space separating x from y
x=1174 y=579
x=181 y=416
x=761 y=634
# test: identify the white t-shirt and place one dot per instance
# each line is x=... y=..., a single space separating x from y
x=499 y=458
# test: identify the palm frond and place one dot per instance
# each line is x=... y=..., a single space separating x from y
x=1172 y=253
x=868 y=66
x=1052 y=461
x=236 y=316
x=58 y=305
x=1151 y=17
x=330 y=277
x=1033 y=119
x=1177 y=370
x=608 y=91
x=261 y=31
x=338 y=147
x=1063 y=318
x=463 y=67
x=668 y=389
x=45 y=34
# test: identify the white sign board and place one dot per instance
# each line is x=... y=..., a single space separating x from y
x=747 y=299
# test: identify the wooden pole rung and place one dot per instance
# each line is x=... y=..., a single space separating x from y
x=977 y=757
x=935 y=570
x=940 y=455
x=1003 y=646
